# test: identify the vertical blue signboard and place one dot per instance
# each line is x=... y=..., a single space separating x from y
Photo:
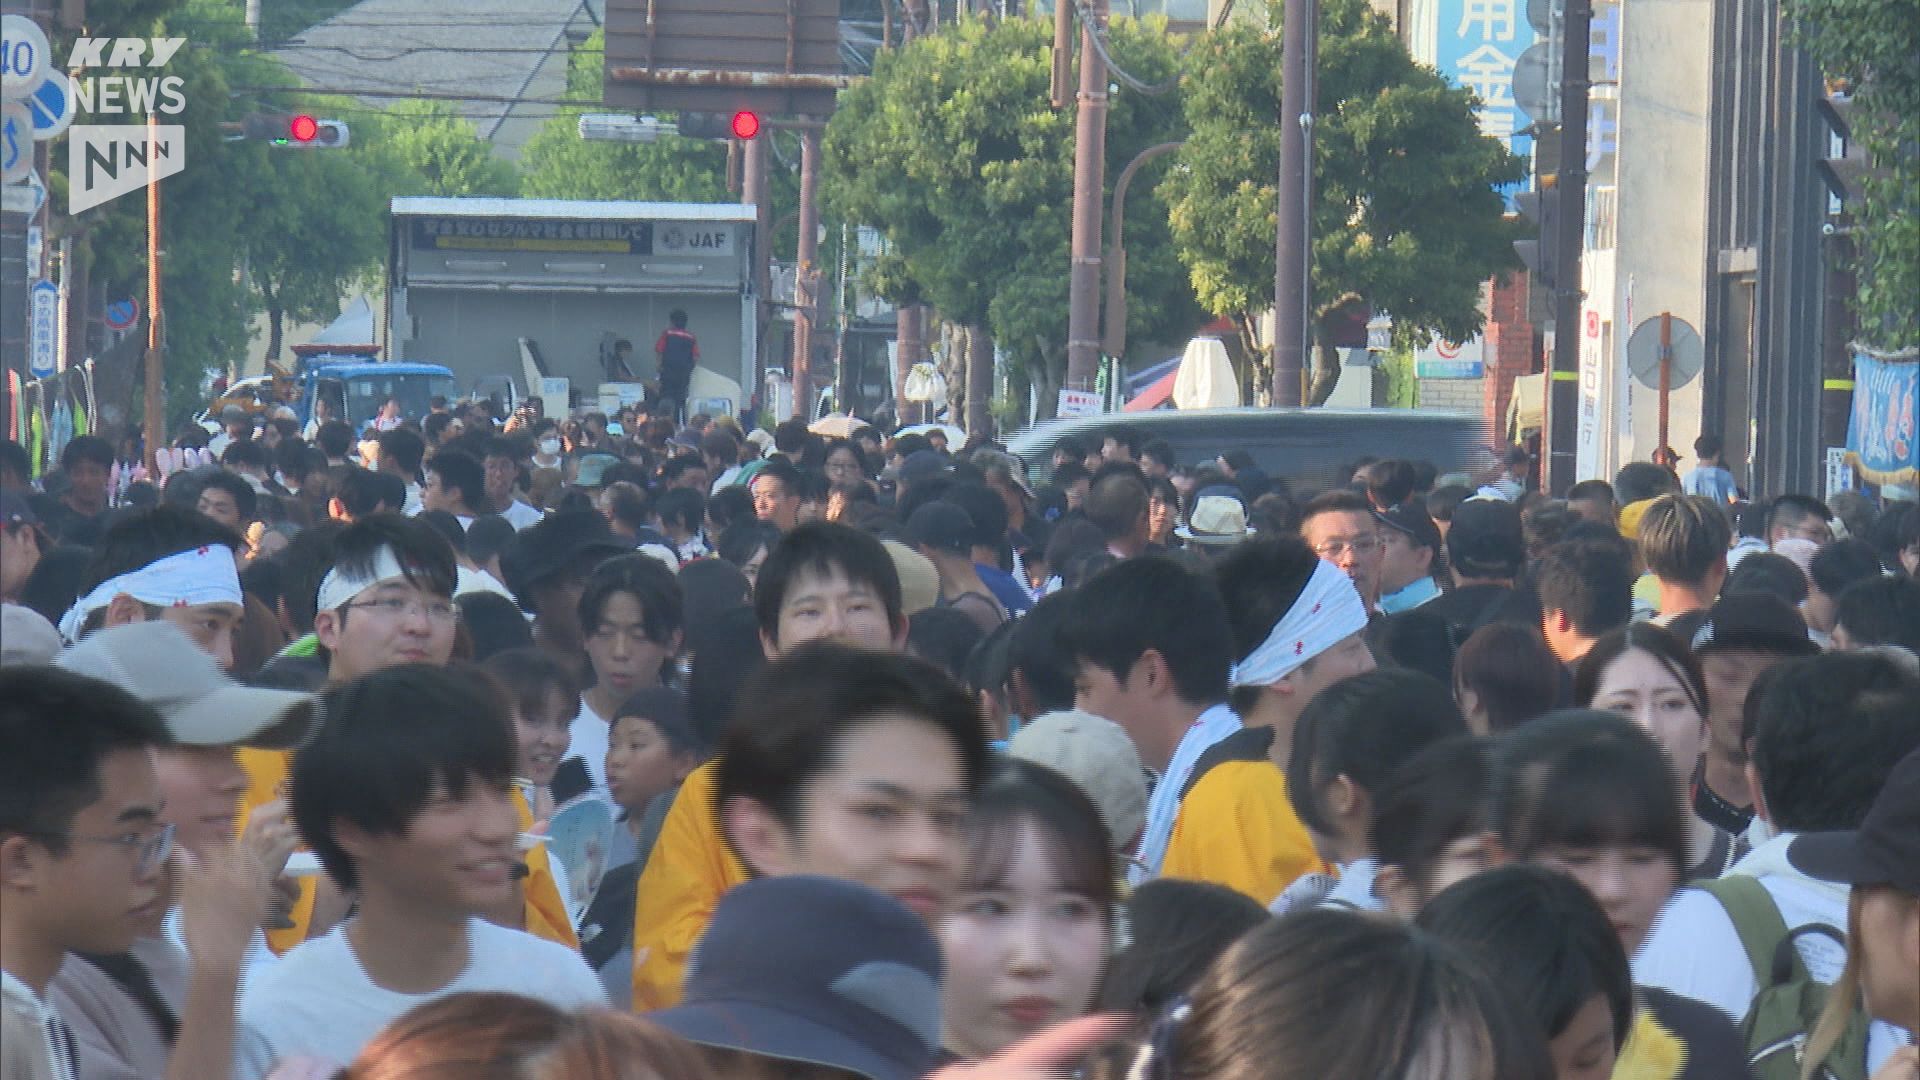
x=1476 y=45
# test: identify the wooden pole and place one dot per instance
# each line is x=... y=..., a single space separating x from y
x=155 y=418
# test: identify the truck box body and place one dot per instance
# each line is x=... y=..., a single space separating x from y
x=469 y=278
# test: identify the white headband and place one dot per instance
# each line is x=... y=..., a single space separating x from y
x=1329 y=610
x=202 y=576
x=339 y=586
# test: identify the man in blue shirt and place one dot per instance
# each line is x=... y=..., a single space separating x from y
x=1710 y=477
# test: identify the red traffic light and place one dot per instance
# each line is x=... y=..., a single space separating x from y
x=746 y=124
x=303 y=128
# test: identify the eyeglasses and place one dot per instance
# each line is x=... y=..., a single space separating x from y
x=1359 y=545
x=399 y=607
x=149 y=850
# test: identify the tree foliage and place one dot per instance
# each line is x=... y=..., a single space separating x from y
x=443 y=154
x=1405 y=216
x=1871 y=48
x=954 y=151
x=558 y=164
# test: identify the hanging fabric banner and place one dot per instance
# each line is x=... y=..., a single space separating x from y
x=1881 y=438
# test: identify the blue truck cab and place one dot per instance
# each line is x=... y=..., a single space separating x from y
x=355 y=387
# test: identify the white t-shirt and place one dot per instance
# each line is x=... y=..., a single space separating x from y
x=587 y=740
x=318 y=1002
x=1693 y=949
x=520 y=514
x=472 y=581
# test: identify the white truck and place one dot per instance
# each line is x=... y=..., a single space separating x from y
x=532 y=296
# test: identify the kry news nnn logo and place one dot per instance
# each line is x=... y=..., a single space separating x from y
x=105 y=161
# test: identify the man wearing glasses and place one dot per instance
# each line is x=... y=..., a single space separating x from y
x=80 y=839
x=164 y=1006
x=1341 y=528
x=386 y=600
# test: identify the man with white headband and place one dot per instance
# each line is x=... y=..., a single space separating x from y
x=1299 y=626
x=1153 y=650
x=387 y=600
x=165 y=562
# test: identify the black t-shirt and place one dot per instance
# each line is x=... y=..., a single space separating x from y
x=68 y=525
x=1471 y=607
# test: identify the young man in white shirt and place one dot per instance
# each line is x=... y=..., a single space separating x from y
x=502 y=464
x=1824 y=736
x=405 y=794
x=81 y=844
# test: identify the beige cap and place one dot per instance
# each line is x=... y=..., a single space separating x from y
x=919 y=580
x=1098 y=755
x=157 y=663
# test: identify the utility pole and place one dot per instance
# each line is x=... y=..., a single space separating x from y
x=753 y=192
x=155 y=418
x=1563 y=383
x=1293 y=240
x=805 y=275
x=1089 y=181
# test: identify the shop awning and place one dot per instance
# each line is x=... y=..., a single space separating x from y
x=1527 y=409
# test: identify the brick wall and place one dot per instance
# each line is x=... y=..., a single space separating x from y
x=1462 y=394
x=1509 y=348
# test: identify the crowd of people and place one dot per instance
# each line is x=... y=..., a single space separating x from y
x=611 y=747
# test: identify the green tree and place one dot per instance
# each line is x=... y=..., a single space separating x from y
x=954 y=151
x=1871 y=49
x=444 y=153
x=1405 y=215
x=558 y=164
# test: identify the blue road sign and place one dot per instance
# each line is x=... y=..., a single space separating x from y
x=51 y=104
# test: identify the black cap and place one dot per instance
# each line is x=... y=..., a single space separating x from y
x=816 y=970
x=920 y=465
x=1411 y=520
x=16 y=510
x=557 y=543
x=1884 y=850
x=1754 y=620
x=1485 y=540
x=941 y=526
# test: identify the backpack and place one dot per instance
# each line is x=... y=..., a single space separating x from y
x=1790 y=1001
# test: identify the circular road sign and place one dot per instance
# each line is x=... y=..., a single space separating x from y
x=24 y=56
x=1643 y=354
x=122 y=314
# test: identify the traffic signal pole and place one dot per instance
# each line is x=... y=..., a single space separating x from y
x=1089 y=182
x=1563 y=395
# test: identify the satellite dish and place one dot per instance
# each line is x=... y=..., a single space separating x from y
x=1643 y=353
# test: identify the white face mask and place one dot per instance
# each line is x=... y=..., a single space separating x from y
x=549 y=447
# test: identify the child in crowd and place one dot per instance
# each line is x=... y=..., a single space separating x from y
x=650 y=751
x=541 y=699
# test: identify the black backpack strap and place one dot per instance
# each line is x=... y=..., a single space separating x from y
x=1247 y=744
x=1787 y=964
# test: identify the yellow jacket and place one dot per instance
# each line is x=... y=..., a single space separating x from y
x=691 y=867
x=546 y=915
x=268 y=775
x=1237 y=828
